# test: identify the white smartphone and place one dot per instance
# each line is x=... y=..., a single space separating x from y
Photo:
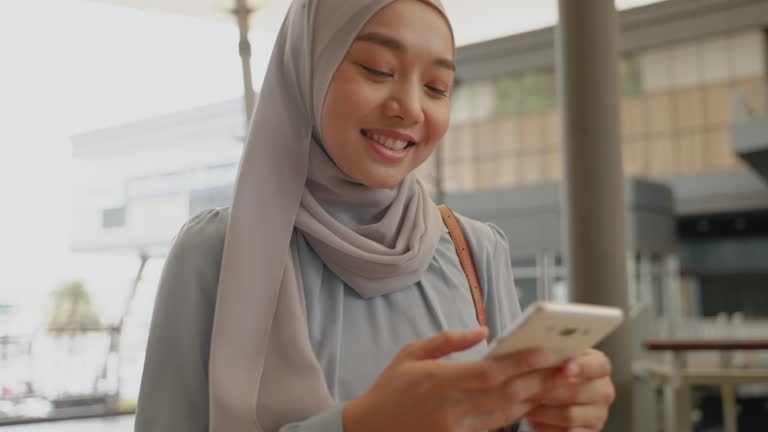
x=562 y=329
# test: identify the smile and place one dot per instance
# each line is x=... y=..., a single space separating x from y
x=388 y=142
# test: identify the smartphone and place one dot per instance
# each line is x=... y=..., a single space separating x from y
x=564 y=330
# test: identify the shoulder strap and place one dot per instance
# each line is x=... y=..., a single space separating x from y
x=465 y=257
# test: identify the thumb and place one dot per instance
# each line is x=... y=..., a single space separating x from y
x=444 y=343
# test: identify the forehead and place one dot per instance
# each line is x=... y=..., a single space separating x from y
x=418 y=24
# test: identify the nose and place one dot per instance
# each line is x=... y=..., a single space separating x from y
x=405 y=103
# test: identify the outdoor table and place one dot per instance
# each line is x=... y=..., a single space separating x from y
x=726 y=376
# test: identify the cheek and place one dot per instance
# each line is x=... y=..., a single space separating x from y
x=333 y=110
x=439 y=121
x=347 y=101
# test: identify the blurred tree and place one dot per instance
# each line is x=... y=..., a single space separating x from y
x=71 y=310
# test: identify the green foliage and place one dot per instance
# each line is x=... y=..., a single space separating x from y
x=630 y=76
x=71 y=309
x=126 y=406
x=526 y=93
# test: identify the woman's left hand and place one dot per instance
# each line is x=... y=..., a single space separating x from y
x=581 y=401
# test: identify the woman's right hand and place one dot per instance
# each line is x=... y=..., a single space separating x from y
x=420 y=392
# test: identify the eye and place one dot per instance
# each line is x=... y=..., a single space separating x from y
x=375 y=72
x=436 y=91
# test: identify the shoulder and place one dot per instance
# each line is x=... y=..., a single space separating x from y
x=201 y=239
x=205 y=229
x=490 y=251
x=483 y=237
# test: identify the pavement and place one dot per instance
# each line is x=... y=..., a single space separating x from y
x=107 y=424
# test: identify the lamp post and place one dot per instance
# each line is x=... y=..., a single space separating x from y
x=242 y=13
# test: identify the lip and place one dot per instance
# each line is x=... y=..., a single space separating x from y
x=385 y=154
x=392 y=134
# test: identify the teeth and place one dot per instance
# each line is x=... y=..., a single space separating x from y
x=387 y=142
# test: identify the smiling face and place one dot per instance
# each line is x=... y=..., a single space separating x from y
x=387 y=105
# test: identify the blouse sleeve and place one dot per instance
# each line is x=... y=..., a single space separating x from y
x=174 y=386
x=330 y=420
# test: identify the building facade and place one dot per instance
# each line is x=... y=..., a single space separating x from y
x=693 y=91
x=137 y=183
x=690 y=70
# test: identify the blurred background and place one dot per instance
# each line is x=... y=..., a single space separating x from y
x=121 y=119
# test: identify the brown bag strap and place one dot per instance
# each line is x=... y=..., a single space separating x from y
x=468 y=264
x=465 y=257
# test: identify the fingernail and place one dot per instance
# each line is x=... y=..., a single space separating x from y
x=572 y=370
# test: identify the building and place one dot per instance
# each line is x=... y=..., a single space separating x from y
x=693 y=110
x=139 y=182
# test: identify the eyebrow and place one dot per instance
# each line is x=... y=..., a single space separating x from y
x=397 y=45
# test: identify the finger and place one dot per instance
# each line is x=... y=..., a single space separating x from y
x=571 y=416
x=547 y=428
x=491 y=372
x=506 y=404
x=599 y=392
x=590 y=364
x=497 y=419
x=514 y=391
x=443 y=344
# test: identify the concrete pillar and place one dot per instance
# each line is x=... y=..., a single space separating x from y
x=593 y=186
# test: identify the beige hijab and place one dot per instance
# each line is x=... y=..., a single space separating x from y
x=263 y=373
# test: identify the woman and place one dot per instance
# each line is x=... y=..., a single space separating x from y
x=327 y=298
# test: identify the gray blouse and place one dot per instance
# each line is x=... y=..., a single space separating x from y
x=354 y=339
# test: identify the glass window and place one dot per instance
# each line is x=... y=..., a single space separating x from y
x=655 y=69
x=461 y=104
x=685 y=71
x=736 y=293
x=713 y=60
x=473 y=101
x=746 y=55
x=113 y=217
x=526 y=291
x=524 y=262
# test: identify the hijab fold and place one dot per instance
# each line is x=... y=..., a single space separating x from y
x=262 y=371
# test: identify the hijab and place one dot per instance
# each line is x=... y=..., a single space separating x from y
x=262 y=371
